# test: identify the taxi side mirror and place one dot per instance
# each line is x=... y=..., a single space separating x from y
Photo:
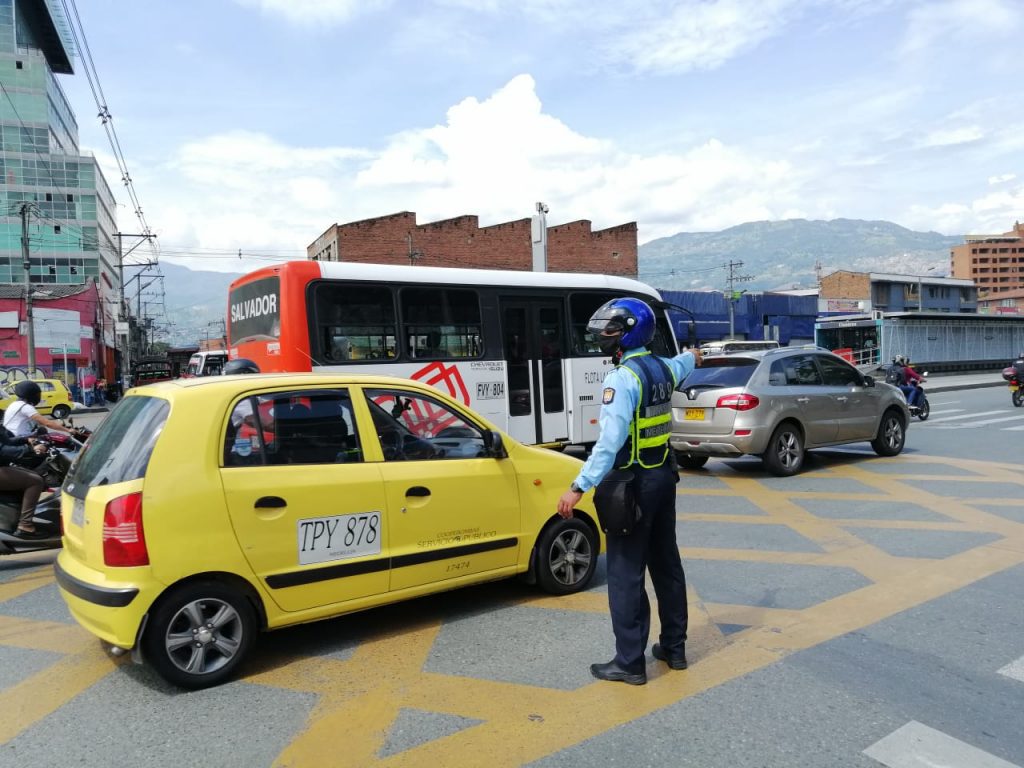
x=494 y=446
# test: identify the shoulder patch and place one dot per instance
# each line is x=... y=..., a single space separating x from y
x=609 y=395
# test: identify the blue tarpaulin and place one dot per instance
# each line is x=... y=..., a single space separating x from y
x=784 y=317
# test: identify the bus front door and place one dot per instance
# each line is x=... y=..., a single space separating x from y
x=535 y=339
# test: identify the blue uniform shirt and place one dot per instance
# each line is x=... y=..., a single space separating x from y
x=622 y=393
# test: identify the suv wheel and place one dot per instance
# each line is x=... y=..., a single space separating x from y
x=785 y=454
x=689 y=461
x=892 y=434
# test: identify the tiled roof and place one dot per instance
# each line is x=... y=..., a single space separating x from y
x=42 y=291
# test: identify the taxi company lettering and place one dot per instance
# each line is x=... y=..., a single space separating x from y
x=249 y=308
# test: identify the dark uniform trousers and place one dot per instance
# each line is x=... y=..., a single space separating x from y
x=652 y=544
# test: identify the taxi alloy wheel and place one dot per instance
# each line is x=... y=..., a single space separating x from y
x=61 y=412
x=566 y=557
x=199 y=635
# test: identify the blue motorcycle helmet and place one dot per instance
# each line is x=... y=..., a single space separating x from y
x=625 y=323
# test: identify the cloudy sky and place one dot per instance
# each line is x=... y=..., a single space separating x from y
x=253 y=125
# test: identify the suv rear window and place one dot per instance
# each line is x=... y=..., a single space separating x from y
x=119 y=451
x=731 y=371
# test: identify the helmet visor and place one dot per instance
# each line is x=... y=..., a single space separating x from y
x=606 y=320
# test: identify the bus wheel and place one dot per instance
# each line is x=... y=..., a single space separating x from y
x=689 y=461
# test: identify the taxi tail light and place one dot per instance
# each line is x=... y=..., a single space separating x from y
x=124 y=542
x=740 y=402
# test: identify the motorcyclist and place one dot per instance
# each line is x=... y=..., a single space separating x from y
x=910 y=380
x=239 y=365
x=14 y=478
x=1018 y=366
x=21 y=418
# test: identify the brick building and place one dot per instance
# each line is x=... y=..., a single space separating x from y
x=462 y=242
x=994 y=262
x=850 y=292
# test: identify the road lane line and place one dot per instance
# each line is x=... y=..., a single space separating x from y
x=966 y=416
x=1014 y=670
x=948 y=410
x=917 y=746
x=1016 y=417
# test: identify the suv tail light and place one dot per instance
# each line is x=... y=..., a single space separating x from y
x=741 y=402
x=124 y=542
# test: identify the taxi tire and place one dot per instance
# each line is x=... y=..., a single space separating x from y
x=549 y=540
x=60 y=412
x=153 y=642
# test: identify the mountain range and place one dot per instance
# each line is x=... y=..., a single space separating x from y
x=774 y=254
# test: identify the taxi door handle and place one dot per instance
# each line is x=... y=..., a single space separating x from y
x=418 y=490
x=270 y=502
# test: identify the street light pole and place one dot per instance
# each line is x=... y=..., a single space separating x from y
x=30 y=326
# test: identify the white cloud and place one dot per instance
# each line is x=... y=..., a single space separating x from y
x=311 y=12
x=994 y=212
x=493 y=157
x=1002 y=178
x=946 y=137
x=701 y=35
x=932 y=21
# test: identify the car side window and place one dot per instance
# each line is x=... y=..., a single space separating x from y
x=414 y=427
x=798 y=370
x=45 y=386
x=838 y=373
x=306 y=427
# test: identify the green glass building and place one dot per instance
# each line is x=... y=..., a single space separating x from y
x=71 y=221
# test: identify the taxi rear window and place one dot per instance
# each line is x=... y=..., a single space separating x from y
x=120 y=448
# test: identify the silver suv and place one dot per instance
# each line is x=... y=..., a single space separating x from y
x=778 y=403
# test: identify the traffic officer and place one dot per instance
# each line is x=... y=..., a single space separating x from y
x=635 y=424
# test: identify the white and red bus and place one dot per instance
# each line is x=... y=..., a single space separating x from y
x=512 y=346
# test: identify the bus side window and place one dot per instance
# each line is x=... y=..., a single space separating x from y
x=356 y=322
x=441 y=323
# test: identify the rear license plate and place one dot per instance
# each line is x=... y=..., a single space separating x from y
x=1014 y=387
x=694 y=414
x=78 y=512
x=338 y=537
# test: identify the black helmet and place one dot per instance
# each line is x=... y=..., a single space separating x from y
x=28 y=391
x=240 y=365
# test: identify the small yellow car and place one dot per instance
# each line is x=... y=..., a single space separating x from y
x=56 y=398
x=204 y=510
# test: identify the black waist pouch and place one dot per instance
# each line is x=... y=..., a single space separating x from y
x=615 y=502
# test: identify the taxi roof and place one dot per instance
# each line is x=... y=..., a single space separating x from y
x=275 y=379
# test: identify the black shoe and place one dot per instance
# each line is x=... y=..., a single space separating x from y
x=616 y=674
x=675 y=661
x=30 y=534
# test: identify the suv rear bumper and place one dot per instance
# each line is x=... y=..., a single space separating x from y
x=722 y=445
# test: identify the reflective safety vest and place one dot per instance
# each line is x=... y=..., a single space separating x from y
x=647 y=443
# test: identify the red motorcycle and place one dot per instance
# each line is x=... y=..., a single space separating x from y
x=1012 y=377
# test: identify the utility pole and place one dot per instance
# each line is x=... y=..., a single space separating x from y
x=734 y=295
x=123 y=309
x=30 y=326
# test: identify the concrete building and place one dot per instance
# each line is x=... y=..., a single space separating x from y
x=462 y=242
x=860 y=292
x=994 y=262
x=48 y=183
x=1002 y=303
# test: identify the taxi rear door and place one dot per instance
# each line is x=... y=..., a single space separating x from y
x=308 y=511
x=453 y=511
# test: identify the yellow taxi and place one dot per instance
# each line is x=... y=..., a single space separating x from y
x=56 y=399
x=205 y=510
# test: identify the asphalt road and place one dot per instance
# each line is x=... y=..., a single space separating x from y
x=866 y=612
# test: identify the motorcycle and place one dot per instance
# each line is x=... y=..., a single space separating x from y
x=61 y=451
x=1012 y=378
x=922 y=409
